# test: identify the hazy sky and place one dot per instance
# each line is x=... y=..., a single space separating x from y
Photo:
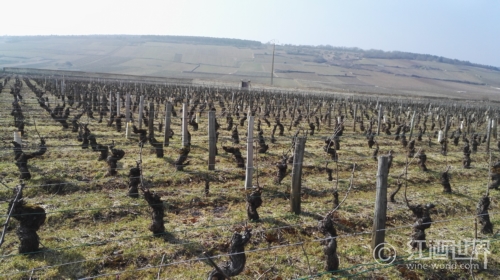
x=465 y=30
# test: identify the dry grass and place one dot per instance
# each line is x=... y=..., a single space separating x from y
x=93 y=228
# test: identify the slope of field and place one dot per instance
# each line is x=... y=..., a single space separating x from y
x=295 y=67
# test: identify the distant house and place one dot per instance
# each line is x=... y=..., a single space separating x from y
x=245 y=85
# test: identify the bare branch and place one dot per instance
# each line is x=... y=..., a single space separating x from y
x=10 y=213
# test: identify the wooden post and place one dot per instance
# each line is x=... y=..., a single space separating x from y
x=127 y=108
x=92 y=101
x=355 y=113
x=168 y=119
x=494 y=128
x=379 y=118
x=17 y=137
x=446 y=122
x=110 y=106
x=151 y=119
x=118 y=104
x=232 y=102
x=102 y=105
x=141 y=110
x=184 y=125
x=330 y=116
x=128 y=129
x=468 y=124
x=249 y=171
x=298 y=157
x=345 y=108
x=412 y=122
x=489 y=123
x=378 y=234
x=212 y=140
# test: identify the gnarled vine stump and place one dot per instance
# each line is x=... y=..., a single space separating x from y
x=327 y=227
x=483 y=215
x=423 y=221
x=181 y=161
x=495 y=176
x=466 y=160
x=445 y=181
x=254 y=201
x=158 y=146
x=237 y=258
x=22 y=158
x=30 y=218
x=134 y=180
x=263 y=147
x=112 y=160
x=158 y=212
x=282 y=167
x=240 y=162
x=143 y=138
x=422 y=159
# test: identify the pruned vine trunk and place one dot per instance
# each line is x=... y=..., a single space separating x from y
x=30 y=218
x=484 y=216
x=237 y=257
x=158 y=212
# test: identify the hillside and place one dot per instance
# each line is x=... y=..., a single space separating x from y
x=228 y=61
x=81 y=218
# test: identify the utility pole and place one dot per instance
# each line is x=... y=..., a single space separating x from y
x=272 y=65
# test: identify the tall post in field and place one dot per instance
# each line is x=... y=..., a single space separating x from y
x=17 y=137
x=168 y=119
x=494 y=128
x=127 y=108
x=185 y=140
x=141 y=110
x=412 y=122
x=379 y=117
x=298 y=157
x=249 y=171
x=330 y=116
x=489 y=123
x=445 y=135
x=446 y=124
x=118 y=104
x=355 y=114
x=110 y=106
x=102 y=105
x=378 y=234
x=211 y=140
x=151 y=119
x=272 y=65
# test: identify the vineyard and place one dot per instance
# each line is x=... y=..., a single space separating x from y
x=120 y=179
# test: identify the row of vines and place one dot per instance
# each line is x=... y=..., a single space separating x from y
x=113 y=179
